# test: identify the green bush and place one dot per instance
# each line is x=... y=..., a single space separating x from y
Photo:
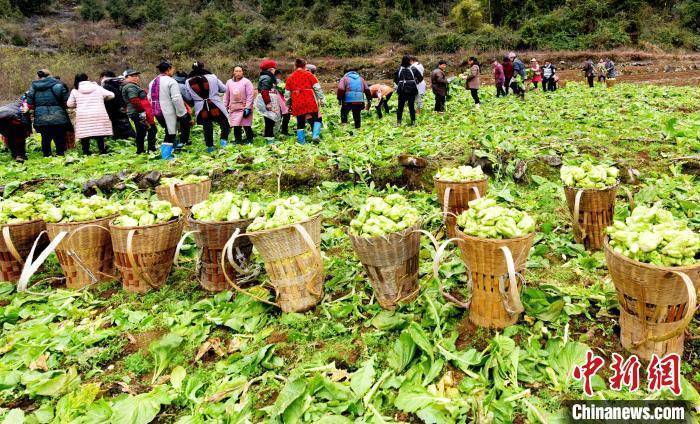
x=32 y=7
x=155 y=10
x=324 y=42
x=688 y=12
x=258 y=38
x=467 y=15
x=396 y=25
x=447 y=42
x=92 y=10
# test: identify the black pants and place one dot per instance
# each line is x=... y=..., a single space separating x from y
x=208 y=129
x=301 y=120
x=141 y=132
x=238 y=134
x=601 y=78
x=383 y=103
x=535 y=83
x=516 y=89
x=269 y=127
x=590 y=79
x=506 y=86
x=403 y=100
x=356 y=109
x=85 y=142
x=548 y=84
x=475 y=95
x=440 y=102
x=16 y=136
x=285 y=123
x=53 y=133
x=500 y=91
x=184 y=123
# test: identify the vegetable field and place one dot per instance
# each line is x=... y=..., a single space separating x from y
x=180 y=354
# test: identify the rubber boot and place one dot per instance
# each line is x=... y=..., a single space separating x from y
x=317 y=131
x=166 y=151
x=301 y=136
x=210 y=149
x=223 y=143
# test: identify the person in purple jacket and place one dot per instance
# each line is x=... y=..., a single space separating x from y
x=499 y=78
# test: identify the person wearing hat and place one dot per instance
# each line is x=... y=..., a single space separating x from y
x=169 y=109
x=205 y=89
x=305 y=96
x=438 y=84
x=138 y=108
x=47 y=96
x=268 y=100
x=536 y=72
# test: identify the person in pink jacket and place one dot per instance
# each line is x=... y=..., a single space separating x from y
x=91 y=118
x=238 y=100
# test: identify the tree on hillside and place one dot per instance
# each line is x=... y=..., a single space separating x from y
x=467 y=15
x=32 y=7
x=92 y=10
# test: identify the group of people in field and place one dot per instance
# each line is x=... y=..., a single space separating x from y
x=124 y=107
x=603 y=70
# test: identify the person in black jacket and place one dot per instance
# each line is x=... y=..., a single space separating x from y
x=406 y=80
x=116 y=107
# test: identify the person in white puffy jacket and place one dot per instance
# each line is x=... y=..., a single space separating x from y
x=91 y=117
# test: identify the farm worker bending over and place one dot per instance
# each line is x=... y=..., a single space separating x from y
x=116 y=107
x=268 y=100
x=518 y=69
x=406 y=81
x=239 y=103
x=91 y=118
x=507 y=73
x=473 y=81
x=168 y=108
x=205 y=89
x=438 y=83
x=304 y=96
x=16 y=126
x=383 y=93
x=138 y=108
x=499 y=77
x=352 y=89
x=549 y=72
x=47 y=96
x=421 y=85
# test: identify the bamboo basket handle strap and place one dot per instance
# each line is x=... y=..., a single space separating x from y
x=476 y=191
x=317 y=256
x=436 y=274
x=577 y=214
x=229 y=254
x=180 y=244
x=7 y=238
x=690 y=308
x=511 y=299
x=630 y=198
x=138 y=272
x=173 y=195
x=446 y=204
x=82 y=227
x=32 y=265
x=76 y=257
x=231 y=282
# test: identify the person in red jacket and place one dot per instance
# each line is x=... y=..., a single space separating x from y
x=507 y=72
x=304 y=96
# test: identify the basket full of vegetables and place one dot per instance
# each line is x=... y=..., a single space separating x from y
x=494 y=241
x=184 y=192
x=144 y=239
x=21 y=224
x=590 y=192
x=456 y=187
x=654 y=261
x=85 y=253
x=219 y=224
x=288 y=237
x=386 y=239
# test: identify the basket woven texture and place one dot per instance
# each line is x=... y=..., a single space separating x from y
x=144 y=255
x=656 y=303
x=488 y=267
x=184 y=196
x=595 y=213
x=16 y=242
x=391 y=263
x=85 y=255
x=457 y=195
x=211 y=237
x=294 y=266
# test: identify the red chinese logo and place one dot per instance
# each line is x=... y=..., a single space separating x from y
x=665 y=373
x=625 y=372
x=586 y=371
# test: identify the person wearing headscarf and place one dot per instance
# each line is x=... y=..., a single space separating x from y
x=206 y=89
x=239 y=99
x=305 y=97
x=268 y=100
x=536 y=72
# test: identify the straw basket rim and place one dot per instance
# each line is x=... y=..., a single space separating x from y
x=17 y=224
x=436 y=179
x=461 y=234
x=77 y=223
x=408 y=230
x=183 y=184
x=160 y=224
x=259 y=232
x=608 y=188
x=190 y=218
x=648 y=266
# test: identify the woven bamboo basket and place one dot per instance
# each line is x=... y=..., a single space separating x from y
x=16 y=242
x=455 y=196
x=85 y=255
x=595 y=210
x=561 y=84
x=610 y=82
x=144 y=255
x=211 y=238
x=293 y=263
x=495 y=270
x=184 y=196
x=391 y=263
x=656 y=303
